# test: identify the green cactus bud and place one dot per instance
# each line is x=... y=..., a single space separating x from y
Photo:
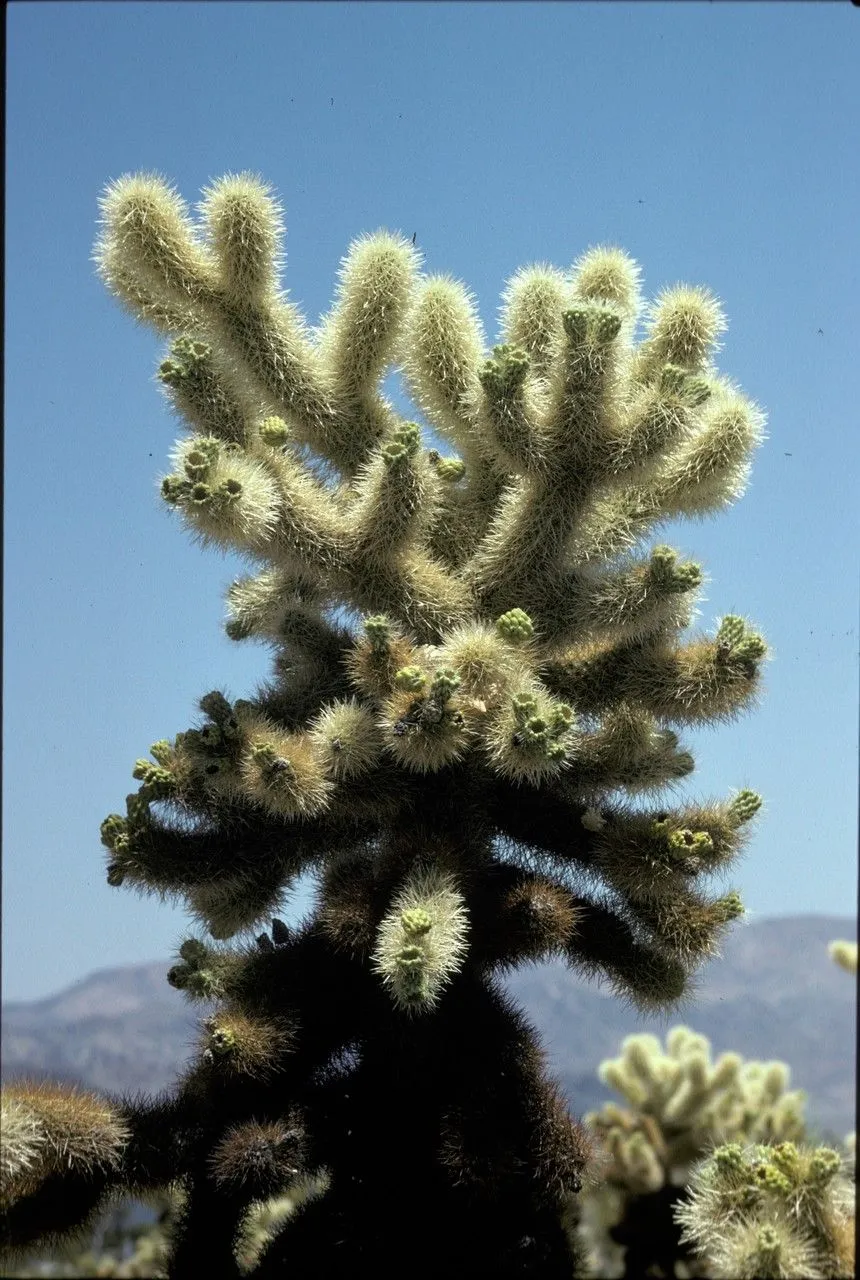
x=378 y=631
x=238 y=630
x=687 y=576
x=274 y=432
x=409 y=435
x=193 y=951
x=562 y=718
x=786 y=1157
x=137 y=808
x=113 y=826
x=445 y=681
x=174 y=489
x=515 y=626
x=823 y=1166
x=394 y=452
x=607 y=325
x=524 y=705
x=451 y=469
x=191 y=351
x=416 y=920
x=664 y=558
x=505 y=371
x=210 y=447
x=410 y=678
x=222 y=1041
x=771 y=1180
x=556 y=751
x=691 y=388
x=729 y=1163
x=769 y=1246
x=162 y=752
x=158 y=784
x=490 y=374
x=731 y=631
x=229 y=491
x=686 y=841
x=575 y=322
x=536 y=726
x=744 y=806
x=751 y=648
x=200 y=495
x=264 y=753
x=516 y=362
x=729 y=907
x=412 y=965
x=142 y=769
x=197 y=465
x=171 y=372
x=178 y=976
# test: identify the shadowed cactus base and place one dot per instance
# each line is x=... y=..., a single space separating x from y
x=480 y=673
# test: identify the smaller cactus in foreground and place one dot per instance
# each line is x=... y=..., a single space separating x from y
x=680 y=1106
x=771 y=1213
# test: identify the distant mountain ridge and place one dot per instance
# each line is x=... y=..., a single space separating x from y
x=774 y=994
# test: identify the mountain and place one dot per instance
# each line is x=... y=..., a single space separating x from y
x=774 y=994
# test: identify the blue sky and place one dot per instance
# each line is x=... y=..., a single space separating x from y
x=711 y=141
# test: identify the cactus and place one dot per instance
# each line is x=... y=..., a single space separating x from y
x=649 y=1159
x=680 y=1104
x=460 y=756
x=772 y=1213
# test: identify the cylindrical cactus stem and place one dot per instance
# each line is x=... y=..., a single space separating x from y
x=421 y=941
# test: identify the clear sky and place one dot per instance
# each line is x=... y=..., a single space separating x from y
x=711 y=141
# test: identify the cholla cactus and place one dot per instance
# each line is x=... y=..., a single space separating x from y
x=772 y=1213
x=680 y=1106
x=844 y=954
x=459 y=760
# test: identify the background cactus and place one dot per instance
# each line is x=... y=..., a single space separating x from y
x=475 y=682
x=650 y=1155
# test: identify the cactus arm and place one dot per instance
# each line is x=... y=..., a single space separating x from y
x=705 y=680
x=200 y=391
x=632 y=603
